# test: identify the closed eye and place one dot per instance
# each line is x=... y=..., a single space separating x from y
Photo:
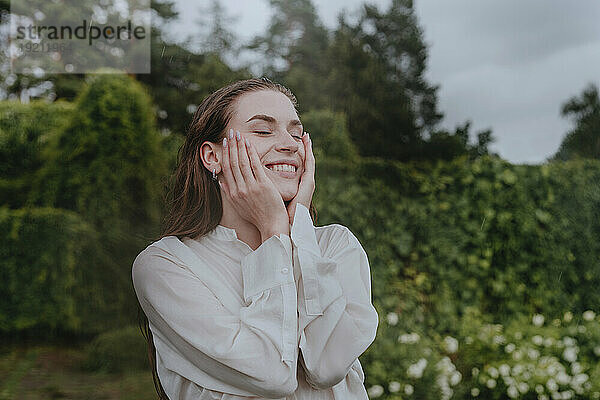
x=269 y=133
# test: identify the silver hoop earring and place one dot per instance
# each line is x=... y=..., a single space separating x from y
x=214 y=175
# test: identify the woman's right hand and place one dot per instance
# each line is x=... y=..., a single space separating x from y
x=249 y=189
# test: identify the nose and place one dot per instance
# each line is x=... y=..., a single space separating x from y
x=286 y=142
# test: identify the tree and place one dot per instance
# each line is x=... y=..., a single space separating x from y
x=377 y=78
x=215 y=36
x=294 y=50
x=584 y=140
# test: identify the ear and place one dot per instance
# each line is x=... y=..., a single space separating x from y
x=210 y=156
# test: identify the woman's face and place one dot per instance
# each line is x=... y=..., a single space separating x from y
x=269 y=121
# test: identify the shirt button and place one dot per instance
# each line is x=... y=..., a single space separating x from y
x=284 y=270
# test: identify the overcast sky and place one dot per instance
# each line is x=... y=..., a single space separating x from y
x=506 y=65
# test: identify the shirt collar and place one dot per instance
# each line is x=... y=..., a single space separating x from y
x=227 y=234
x=224 y=233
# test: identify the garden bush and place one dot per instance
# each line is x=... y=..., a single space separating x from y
x=117 y=351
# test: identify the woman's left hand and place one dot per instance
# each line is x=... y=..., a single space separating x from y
x=307 y=180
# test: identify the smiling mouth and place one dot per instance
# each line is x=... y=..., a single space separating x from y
x=285 y=172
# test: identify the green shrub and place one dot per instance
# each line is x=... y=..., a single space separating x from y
x=47 y=272
x=531 y=358
x=329 y=133
x=117 y=351
x=25 y=132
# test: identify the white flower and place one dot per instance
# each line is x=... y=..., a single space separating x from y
x=523 y=387
x=517 y=355
x=568 y=316
x=581 y=328
x=394 y=386
x=579 y=379
x=589 y=315
x=409 y=338
x=533 y=354
x=493 y=372
x=570 y=354
x=556 y=322
x=542 y=397
x=504 y=370
x=569 y=341
x=510 y=348
x=475 y=392
x=517 y=369
x=538 y=320
x=375 y=391
x=512 y=392
x=597 y=351
x=475 y=371
x=548 y=342
x=408 y=389
x=539 y=389
x=563 y=378
x=576 y=368
x=416 y=370
x=450 y=344
x=567 y=394
x=491 y=383
x=508 y=381
x=518 y=335
x=498 y=339
x=552 y=385
x=537 y=340
x=455 y=378
x=392 y=318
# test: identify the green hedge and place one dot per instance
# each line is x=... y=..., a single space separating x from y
x=25 y=133
x=118 y=350
x=504 y=238
x=55 y=277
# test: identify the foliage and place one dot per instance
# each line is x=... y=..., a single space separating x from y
x=329 y=134
x=530 y=358
x=112 y=129
x=54 y=274
x=118 y=350
x=25 y=129
x=505 y=239
x=584 y=140
x=107 y=163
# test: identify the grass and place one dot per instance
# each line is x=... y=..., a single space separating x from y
x=53 y=372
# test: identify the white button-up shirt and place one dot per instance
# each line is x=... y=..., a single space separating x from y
x=229 y=322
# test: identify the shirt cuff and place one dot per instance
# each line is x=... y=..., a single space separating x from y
x=268 y=266
x=315 y=269
x=303 y=231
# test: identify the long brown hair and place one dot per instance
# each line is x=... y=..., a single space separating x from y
x=194 y=198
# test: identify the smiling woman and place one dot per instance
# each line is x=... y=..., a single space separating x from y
x=243 y=297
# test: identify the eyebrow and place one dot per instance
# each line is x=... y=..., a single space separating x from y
x=272 y=120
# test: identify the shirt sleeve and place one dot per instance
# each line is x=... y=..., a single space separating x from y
x=337 y=321
x=256 y=350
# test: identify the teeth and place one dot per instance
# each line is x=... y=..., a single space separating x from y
x=282 y=167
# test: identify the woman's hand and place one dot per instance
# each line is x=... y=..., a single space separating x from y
x=252 y=193
x=307 y=180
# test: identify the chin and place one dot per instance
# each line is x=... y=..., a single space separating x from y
x=287 y=195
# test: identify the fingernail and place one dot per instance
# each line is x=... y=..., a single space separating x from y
x=224 y=142
x=308 y=135
x=238 y=135
x=231 y=134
